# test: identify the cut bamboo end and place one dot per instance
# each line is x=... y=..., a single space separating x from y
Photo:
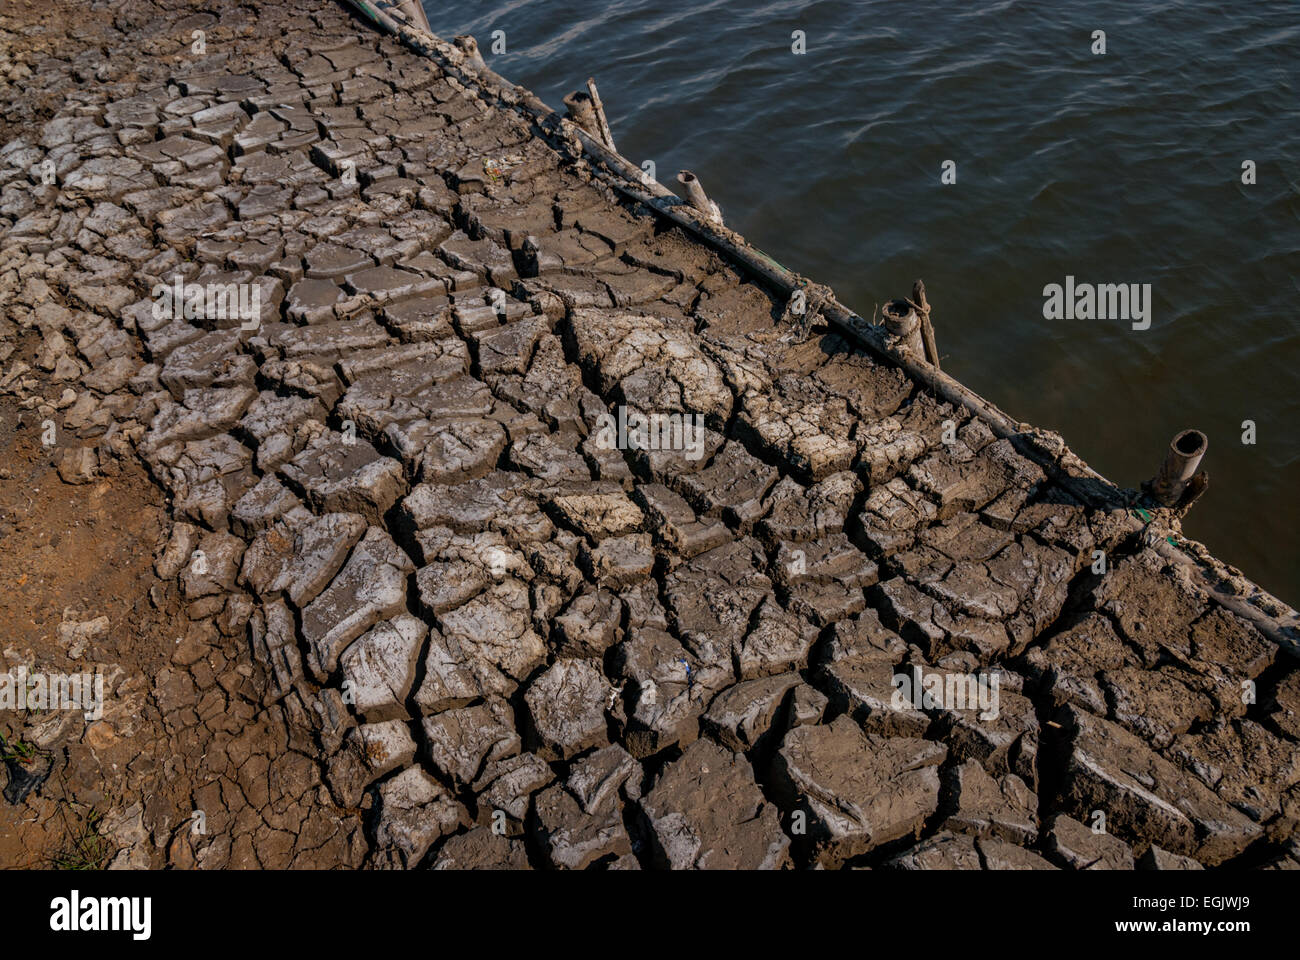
x=698 y=198
x=469 y=46
x=900 y=319
x=583 y=112
x=918 y=296
x=1181 y=462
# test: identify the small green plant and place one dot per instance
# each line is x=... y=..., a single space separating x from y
x=85 y=849
x=19 y=750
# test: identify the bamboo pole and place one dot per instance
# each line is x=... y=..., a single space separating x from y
x=599 y=108
x=927 y=331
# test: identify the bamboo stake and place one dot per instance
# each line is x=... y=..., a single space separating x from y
x=600 y=114
x=1182 y=458
x=927 y=331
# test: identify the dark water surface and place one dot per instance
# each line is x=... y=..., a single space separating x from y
x=1122 y=168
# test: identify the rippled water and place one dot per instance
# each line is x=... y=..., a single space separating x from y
x=1122 y=168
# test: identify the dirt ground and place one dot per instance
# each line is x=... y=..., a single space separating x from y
x=81 y=595
x=84 y=597
x=72 y=553
x=67 y=552
x=368 y=584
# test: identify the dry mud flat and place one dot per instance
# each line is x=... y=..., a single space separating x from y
x=408 y=611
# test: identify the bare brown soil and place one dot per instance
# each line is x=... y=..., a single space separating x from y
x=370 y=583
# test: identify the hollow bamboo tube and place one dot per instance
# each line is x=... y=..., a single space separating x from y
x=901 y=320
x=583 y=112
x=698 y=198
x=1179 y=466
